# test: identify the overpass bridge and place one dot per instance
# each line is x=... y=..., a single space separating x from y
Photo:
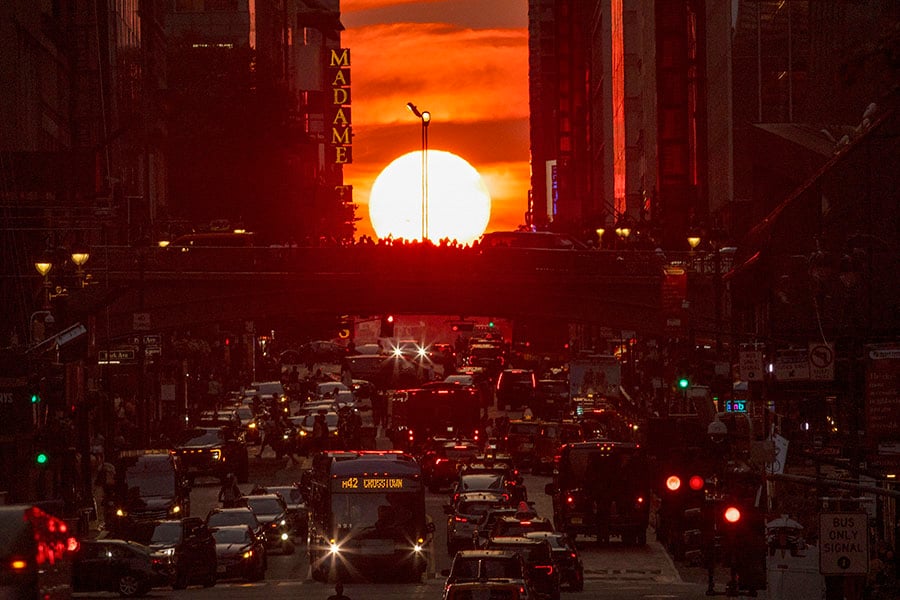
x=180 y=287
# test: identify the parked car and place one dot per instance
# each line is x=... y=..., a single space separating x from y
x=183 y=547
x=110 y=565
x=272 y=513
x=239 y=553
x=566 y=557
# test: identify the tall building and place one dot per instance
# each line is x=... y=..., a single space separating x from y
x=81 y=138
x=251 y=130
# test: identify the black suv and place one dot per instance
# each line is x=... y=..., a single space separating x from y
x=538 y=556
x=149 y=486
x=212 y=452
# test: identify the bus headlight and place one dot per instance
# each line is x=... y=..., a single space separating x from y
x=333 y=548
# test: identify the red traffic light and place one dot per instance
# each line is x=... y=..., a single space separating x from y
x=390 y=318
x=673 y=483
x=732 y=514
x=696 y=483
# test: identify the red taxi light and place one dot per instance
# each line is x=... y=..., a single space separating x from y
x=732 y=514
x=696 y=482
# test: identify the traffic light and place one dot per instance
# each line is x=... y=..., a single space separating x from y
x=742 y=529
x=35 y=397
x=683 y=383
x=41 y=458
x=387 y=326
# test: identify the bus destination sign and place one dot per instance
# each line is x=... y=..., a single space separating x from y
x=370 y=483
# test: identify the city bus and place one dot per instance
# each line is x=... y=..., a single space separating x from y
x=367 y=515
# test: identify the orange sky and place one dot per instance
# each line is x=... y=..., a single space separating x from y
x=465 y=61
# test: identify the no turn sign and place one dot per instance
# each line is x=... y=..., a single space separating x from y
x=821 y=361
x=843 y=544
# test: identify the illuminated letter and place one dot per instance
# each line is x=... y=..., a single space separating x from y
x=342 y=59
x=341 y=96
x=340 y=136
x=339 y=78
x=340 y=118
x=342 y=155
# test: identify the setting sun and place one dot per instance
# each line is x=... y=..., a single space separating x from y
x=459 y=204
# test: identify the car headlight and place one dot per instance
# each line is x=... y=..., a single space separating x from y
x=120 y=512
x=247 y=554
x=333 y=548
x=303 y=433
x=216 y=454
x=282 y=522
x=417 y=549
x=284 y=537
x=175 y=509
x=167 y=552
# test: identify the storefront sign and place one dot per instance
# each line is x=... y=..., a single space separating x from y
x=338 y=71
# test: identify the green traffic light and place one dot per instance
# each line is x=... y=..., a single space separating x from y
x=35 y=398
x=683 y=383
x=41 y=458
x=490 y=323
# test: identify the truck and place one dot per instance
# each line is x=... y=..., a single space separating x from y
x=594 y=380
x=435 y=410
x=602 y=489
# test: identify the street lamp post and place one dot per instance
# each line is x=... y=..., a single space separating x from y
x=425 y=117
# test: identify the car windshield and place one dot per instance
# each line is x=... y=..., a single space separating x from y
x=232 y=535
x=265 y=506
x=481 y=481
x=166 y=533
x=199 y=437
x=532 y=553
x=238 y=517
x=145 y=483
x=291 y=495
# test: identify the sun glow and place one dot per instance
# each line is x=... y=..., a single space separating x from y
x=459 y=204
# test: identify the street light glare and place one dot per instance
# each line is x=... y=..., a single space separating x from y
x=412 y=108
x=426 y=117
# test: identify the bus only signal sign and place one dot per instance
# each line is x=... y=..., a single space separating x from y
x=843 y=544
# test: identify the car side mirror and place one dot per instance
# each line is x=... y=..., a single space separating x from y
x=550 y=489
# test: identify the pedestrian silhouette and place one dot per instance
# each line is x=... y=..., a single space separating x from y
x=338 y=592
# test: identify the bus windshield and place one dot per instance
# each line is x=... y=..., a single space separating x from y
x=603 y=470
x=384 y=514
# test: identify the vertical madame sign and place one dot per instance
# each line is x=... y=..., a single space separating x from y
x=338 y=73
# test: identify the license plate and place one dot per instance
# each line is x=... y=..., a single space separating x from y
x=575 y=520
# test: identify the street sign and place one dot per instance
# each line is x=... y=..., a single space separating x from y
x=821 y=361
x=140 y=321
x=751 y=365
x=736 y=406
x=792 y=365
x=843 y=544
